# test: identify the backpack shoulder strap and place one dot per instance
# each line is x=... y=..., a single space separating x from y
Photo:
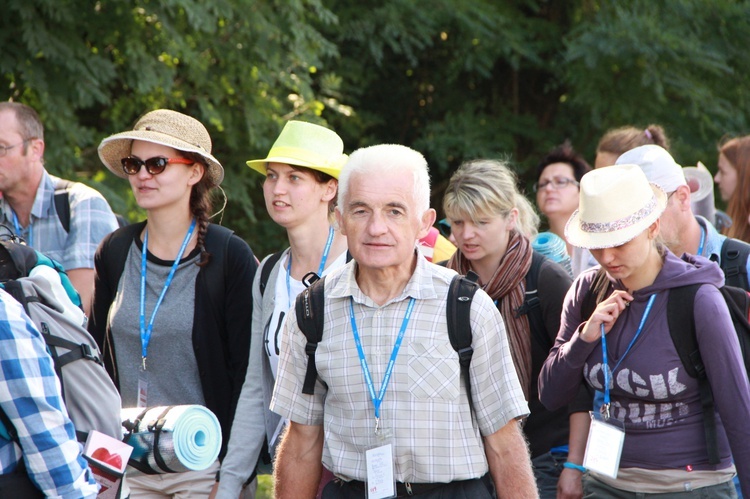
x=310 y=308
x=217 y=244
x=681 y=320
x=680 y=317
x=62 y=203
x=265 y=272
x=738 y=302
x=118 y=249
x=458 y=316
x=733 y=260
x=532 y=305
x=15 y=289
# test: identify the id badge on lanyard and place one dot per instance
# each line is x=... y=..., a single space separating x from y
x=146 y=329
x=381 y=466
x=604 y=445
x=142 y=388
x=606 y=434
x=381 y=482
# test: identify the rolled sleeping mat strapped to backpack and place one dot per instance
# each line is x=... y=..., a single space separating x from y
x=172 y=439
x=553 y=247
x=701 y=184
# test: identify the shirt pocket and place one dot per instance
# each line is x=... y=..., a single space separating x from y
x=434 y=372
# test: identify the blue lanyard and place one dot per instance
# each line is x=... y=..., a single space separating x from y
x=605 y=360
x=703 y=240
x=377 y=400
x=147 y=330
x=321 y=267
x=19 y=230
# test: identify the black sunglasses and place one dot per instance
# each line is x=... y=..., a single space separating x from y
x=154 y=166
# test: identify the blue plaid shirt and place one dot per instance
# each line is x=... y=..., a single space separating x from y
x=91 y=219
x=30 y=397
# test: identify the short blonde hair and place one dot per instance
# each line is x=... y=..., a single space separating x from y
x=487 y=187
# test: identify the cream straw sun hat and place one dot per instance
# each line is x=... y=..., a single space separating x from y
x=167 y=128
x=616 y=204
x=307 y=145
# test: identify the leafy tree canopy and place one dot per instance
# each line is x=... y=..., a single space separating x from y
x=455 y=79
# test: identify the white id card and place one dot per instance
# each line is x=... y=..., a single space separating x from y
x=604 y=445
x=380 y=481
x=142 y=388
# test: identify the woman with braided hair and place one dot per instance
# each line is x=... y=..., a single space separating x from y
x=173 y=294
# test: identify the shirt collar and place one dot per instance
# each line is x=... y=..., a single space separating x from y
x=420 y=285
x=714 y=240
x=43 y=200
x=45 y=197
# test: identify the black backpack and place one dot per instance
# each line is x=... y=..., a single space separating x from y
x=734 y=254
x=680 y=318
x=310 y=304
x=265 y=272
x=62 y=205
x=682 y=329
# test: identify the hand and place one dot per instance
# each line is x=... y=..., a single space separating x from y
x=605 y=313
x=569 y=485
x=215 y=489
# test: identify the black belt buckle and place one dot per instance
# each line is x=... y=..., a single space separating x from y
x=407 y=489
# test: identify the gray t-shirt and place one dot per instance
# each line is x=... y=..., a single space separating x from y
x=172 y=368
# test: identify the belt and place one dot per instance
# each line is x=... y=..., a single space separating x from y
x=405 y=489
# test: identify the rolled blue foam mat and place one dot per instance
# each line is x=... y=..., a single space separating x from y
x=190 y=437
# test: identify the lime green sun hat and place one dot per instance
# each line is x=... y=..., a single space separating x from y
x=307 y=145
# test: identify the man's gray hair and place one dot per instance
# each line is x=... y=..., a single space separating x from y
x=29 y=124
x=384 y=159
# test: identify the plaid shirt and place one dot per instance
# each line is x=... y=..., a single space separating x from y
x=30 y=397
x=91 y=219
x=425 y=405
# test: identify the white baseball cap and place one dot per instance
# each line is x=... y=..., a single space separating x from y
x=658 y=165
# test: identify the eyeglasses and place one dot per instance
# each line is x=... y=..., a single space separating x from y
x=557 y=183
x=154 y=166
x=4 y=149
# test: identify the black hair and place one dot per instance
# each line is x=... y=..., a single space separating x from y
x=564 y=153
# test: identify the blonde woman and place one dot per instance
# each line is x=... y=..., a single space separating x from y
x=623 y=348
x=300 y=190
x=491 y=222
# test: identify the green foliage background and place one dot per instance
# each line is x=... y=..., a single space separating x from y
x=455 y=79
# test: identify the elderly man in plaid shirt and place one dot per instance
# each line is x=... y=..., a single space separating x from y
x=28 y=201
x=413 y=433
x=43 y=458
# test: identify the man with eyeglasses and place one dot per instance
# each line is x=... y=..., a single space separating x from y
x=62 y=219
